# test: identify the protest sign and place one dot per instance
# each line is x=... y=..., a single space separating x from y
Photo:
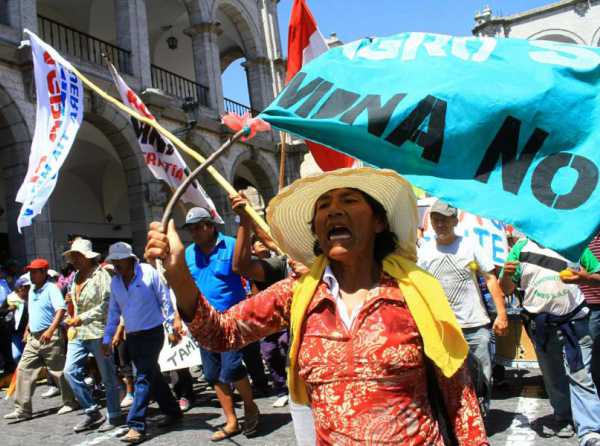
x=59 y=112
x=180 y=356
x=503 y=128
x=489 y=234
x=160 y=155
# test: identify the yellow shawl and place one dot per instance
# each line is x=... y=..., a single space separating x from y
x=442 y=337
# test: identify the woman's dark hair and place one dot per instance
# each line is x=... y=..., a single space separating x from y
x=385 y=241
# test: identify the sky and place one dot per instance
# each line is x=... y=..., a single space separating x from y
x=355 y=19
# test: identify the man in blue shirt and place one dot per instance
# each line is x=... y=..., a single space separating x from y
x=138 y=295
x=45 y=343
x=209 y=260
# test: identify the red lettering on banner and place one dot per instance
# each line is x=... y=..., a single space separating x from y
x=48 y=58
x=35 y=176
x=151 y=159
x=138 y=105
x=179 y=174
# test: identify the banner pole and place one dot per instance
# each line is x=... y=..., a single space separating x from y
x=176 y=141
x=282 y=155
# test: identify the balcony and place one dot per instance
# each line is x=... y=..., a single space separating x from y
x=178 y=86
x=74 y=43
x=67 y=40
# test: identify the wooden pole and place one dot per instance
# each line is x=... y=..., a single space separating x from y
x=282 y=155
x=176 y=141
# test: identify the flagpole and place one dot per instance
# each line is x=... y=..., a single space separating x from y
x=176 y=141
x=282 y=155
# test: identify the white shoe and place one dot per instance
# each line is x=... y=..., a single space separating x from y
x=127 y=401
x=17 y=416
x=281 y=401
x=65 y=409
x=51 y=392
x=89 y=381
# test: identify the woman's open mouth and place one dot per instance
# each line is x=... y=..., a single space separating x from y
x=339 y=233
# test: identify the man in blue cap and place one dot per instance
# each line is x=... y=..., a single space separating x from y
x=209 y=260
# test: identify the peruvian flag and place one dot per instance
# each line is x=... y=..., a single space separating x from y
x=305 y=42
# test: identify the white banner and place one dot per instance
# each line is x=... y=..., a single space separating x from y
x=490 y=234
x=180 y=356
x=160 y=156
x=59 y=114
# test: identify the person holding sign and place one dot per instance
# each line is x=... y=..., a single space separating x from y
x=455 y=261
x=138 y=294
x=368 y=326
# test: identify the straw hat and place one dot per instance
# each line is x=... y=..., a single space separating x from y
x=84 y=247
x=291 y=211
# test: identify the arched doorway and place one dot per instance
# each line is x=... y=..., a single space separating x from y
x=90 y=198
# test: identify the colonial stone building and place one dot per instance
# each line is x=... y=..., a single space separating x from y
x=569 y=21
x=173 y=53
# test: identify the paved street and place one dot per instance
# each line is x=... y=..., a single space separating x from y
x=515 y=408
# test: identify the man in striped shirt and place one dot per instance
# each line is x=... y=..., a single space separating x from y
x=558 y=325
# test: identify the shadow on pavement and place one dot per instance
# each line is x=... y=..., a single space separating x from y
x=498 y=421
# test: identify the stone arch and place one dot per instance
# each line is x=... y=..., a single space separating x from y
x=15 y=144
x=247 y=28
x=121 y=214
x=255 y=169
x=558 y=35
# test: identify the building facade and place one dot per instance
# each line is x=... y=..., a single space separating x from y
x=568 y=21
x=173 y=53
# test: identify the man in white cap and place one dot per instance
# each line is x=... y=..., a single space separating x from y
x=455 y=261
x=90 y=293
x=138 y=294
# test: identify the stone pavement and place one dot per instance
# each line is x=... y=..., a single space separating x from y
x=515 y=406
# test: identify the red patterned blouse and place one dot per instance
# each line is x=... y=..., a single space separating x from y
x=367 y=385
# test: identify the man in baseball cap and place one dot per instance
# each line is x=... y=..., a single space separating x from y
x=45 y=346
x=456 y=262
x=197 y=215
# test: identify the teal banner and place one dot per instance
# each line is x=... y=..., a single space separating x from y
x=507 y=129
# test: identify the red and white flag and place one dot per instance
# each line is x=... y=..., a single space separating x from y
x=160 y=156
x=305 y=42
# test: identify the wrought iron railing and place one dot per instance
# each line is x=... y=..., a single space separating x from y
x=84 y=46
x=236 y=107
x=178 y=86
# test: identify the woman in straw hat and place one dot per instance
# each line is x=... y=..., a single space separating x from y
x=368 y=326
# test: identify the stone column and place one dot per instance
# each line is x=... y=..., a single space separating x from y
x=259 y=82
x=270 y=25
x=207 y=61
x=22 y=14
x=132 y=35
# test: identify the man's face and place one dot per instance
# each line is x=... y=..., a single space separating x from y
x=38 y=276
x=78 y=260
x=124 y=267
x=202 y=232
x=22 y=292
x=260 y=250
x=443 y=226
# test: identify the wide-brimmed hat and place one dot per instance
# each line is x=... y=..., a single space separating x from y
x=84 y=247
x=120 y=251
x=291 y=211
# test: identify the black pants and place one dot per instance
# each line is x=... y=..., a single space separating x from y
x=255 y=366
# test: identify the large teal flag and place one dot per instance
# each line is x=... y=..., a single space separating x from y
x=504 y=128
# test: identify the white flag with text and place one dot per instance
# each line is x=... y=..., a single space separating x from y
x=160 y=156
x=59 y=113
